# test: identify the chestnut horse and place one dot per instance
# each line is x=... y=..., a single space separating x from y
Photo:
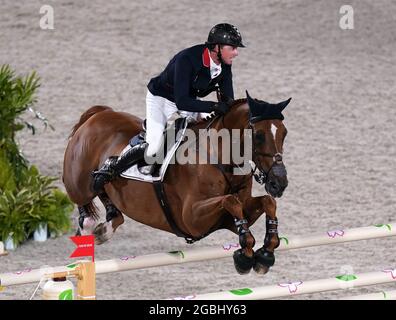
x=202 y=197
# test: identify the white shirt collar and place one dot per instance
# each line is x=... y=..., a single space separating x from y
x=215 y=69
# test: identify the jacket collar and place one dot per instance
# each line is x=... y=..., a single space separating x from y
x=206 y=58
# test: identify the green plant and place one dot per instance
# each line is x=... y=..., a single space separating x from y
x=59 y=219
x=51 y=206
x=36 y=202
x=7 y=176
x=12 y=215
x=17 y=95
x=26 y=197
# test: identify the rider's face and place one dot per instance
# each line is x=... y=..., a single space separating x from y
x=228 y=53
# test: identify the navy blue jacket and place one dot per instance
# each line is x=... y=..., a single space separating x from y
x=187 y=76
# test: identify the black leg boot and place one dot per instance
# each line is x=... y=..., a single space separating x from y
x=112 y=167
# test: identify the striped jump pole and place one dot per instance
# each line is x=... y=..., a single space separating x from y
x=342 y=282
x=29 y=275
x=83 y=271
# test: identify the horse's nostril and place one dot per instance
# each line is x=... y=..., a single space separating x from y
x=274 y=185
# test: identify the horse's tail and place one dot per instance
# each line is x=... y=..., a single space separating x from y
x=92 y=210
x=86 y=115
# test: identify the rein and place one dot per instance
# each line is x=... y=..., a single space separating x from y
x=261 y=177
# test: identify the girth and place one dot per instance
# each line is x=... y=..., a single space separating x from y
x=161 y=196
x=229 y=168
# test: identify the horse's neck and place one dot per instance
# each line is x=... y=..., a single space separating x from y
x=236 y=118
x=235 y=122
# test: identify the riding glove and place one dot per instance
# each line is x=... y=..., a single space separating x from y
x=221 y=108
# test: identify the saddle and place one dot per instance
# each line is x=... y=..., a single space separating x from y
x=168 y=149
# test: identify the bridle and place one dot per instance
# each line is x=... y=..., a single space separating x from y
x=277 y=166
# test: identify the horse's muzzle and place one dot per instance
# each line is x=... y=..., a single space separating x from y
x=277 y=180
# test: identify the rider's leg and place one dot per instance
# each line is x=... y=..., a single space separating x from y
x=158 y=111
x=156 y=119
x=113 y=166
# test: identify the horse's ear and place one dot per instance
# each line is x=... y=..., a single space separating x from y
x=248 y=97
x=261 y=110
x=256 y=109
x=282 y=105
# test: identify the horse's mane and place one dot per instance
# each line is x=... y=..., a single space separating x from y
x=238 y=102
x=96 y=109
x=235 y=104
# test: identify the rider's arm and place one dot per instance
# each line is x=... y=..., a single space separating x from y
x=182 y=87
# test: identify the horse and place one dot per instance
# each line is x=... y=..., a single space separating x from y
x=202 y=198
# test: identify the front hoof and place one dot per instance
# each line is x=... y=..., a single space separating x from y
x=260 y=268
x=263 y=261
x=242 y=263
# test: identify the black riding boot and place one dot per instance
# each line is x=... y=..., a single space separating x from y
x=112 y=167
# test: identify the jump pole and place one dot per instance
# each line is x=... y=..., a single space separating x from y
x=29 y=275
x=382 y=295
x=299 y=287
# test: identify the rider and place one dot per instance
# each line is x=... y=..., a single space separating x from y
x=193 y=72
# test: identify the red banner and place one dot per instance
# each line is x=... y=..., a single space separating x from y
x=85 y=246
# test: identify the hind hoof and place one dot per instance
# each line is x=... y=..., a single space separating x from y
x=100 y=234
x=242 y=263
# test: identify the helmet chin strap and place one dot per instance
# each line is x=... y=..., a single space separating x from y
x=219 y=54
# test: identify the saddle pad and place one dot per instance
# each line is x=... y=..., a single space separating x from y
x=134 y=173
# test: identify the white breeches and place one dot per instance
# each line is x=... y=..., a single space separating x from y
x=158 y=112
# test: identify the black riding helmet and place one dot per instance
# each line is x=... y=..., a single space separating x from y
x=225 y=33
